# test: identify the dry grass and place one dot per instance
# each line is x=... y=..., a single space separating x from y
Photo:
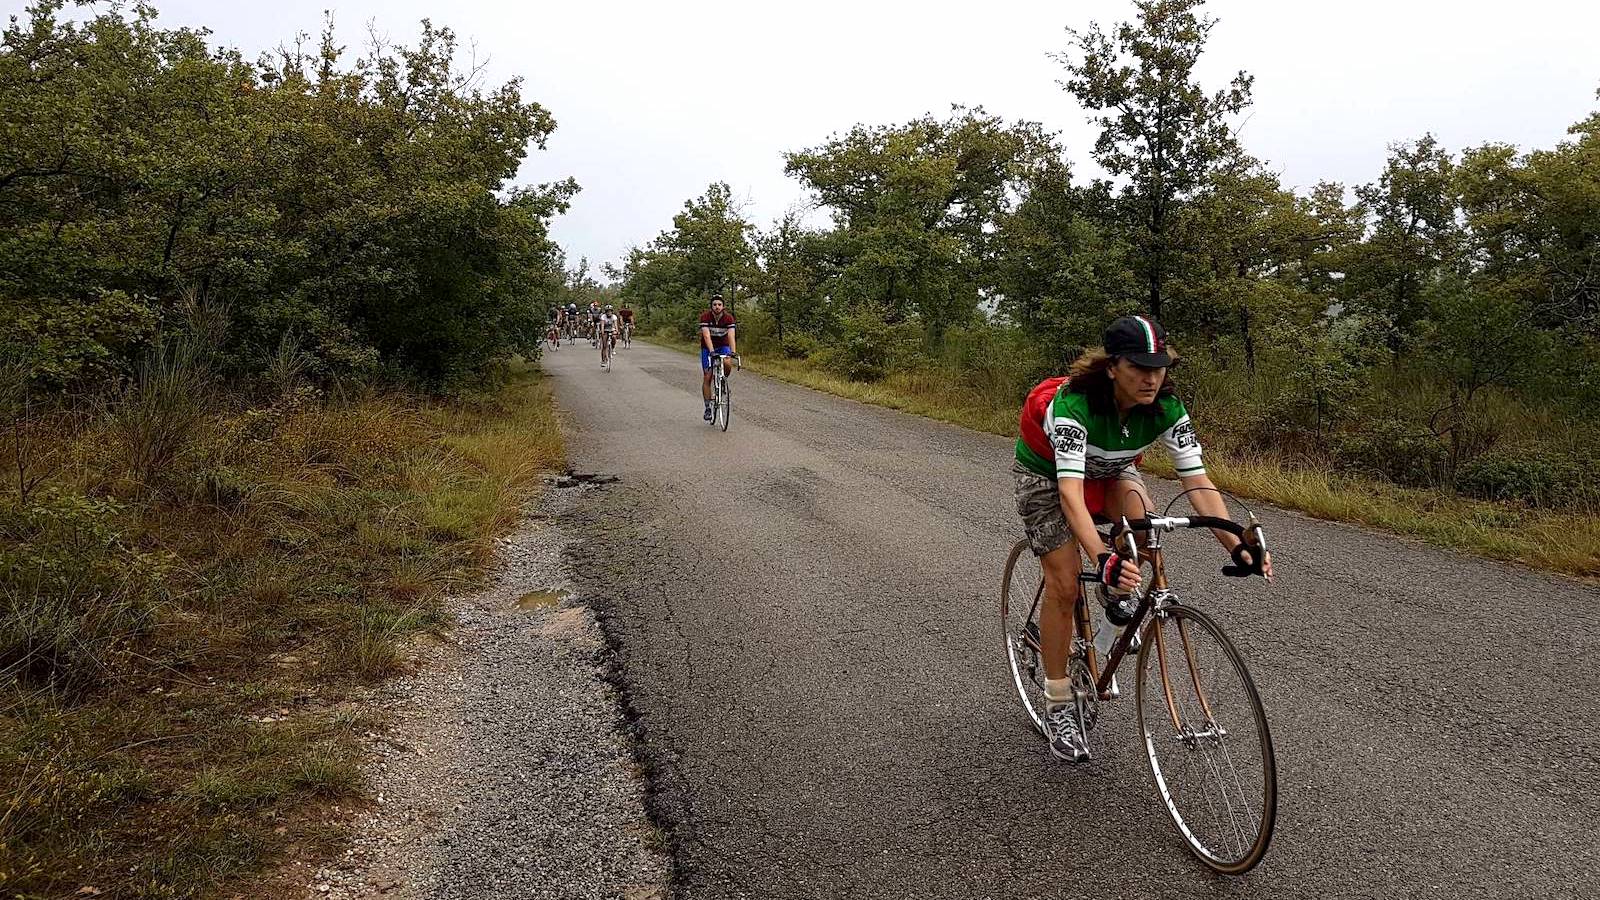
x=281 y=555
x=1558 y=541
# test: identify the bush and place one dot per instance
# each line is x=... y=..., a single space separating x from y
x=999 y=362
x=870 y=345
x=78 y=339
x=169 y=398
x=1394 y=449
x=1529 y=475
x=800 y=345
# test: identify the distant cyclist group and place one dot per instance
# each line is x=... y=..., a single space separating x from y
x=601 y=326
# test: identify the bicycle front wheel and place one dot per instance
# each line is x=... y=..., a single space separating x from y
x=727 y=402
x=1206 y=738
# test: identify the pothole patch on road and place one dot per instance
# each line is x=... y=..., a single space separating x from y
x=572 y=479
x=533 y=600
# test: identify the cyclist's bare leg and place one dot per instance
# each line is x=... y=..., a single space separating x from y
x=705 y=383
x=1129 y=497
x=1055 y=608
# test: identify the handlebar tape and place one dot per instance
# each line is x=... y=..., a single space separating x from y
x=1228 y=525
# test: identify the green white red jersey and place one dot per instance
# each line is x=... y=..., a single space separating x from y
x=1063 y=438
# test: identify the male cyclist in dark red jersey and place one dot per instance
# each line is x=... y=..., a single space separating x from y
x=717 y=343
x=626 y=315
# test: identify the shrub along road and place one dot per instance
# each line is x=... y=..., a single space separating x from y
x=823 y=710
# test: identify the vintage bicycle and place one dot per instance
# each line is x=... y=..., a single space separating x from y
x=1205 y=731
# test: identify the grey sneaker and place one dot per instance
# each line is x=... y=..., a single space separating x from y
x=1062 y=733
x=708 y=412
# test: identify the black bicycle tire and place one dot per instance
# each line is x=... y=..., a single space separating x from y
x=727 y=402
x=1269 y=805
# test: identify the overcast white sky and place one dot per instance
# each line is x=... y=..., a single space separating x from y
x=656 y=100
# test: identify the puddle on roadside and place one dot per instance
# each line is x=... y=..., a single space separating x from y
x=540 y=599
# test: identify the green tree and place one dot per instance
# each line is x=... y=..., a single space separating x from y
x=1412 y=237
x=914 y=208
x=712 y=237
x=365 y=209
x=1160 y=129
x=1479 y=337
x=1244 y=235
x=706 y=251
x=1061 y=274
x=788 y=270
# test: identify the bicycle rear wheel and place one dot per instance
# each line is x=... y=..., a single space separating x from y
x=1021 y=592
x=1206 y=738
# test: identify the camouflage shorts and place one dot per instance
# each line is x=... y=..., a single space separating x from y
x=1039 y=505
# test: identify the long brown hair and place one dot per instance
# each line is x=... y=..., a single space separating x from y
x=1090 y=376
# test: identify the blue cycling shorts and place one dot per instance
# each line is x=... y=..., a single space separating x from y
x=705 y=356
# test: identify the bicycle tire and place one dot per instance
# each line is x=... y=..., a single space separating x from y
x=727 y=401
x=716 y=401
x=1016 y=613
x=1187 y=699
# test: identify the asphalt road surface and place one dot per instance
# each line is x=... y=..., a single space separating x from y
x=805 y=613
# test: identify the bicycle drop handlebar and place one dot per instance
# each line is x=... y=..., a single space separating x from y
x=1173 y=523
x=1251 y=538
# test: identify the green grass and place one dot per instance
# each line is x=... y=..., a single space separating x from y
x=1557 y=541
x=284 y=555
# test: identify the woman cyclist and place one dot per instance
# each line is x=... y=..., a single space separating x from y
x=1082 y=437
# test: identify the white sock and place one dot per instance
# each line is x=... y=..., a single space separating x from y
x=1057 y=690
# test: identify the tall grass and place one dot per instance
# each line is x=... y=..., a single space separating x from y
x=170 y=396
x=193 y=569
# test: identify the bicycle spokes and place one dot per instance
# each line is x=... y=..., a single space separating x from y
x=1206 y=740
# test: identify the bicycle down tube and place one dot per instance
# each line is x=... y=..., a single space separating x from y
x=1119 y=649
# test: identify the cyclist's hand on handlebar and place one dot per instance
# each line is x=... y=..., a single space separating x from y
x=1117 y=573
x=1246 y=562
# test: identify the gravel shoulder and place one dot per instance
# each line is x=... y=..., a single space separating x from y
x=506 y=769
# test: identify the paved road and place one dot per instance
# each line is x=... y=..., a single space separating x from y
x=822 y=707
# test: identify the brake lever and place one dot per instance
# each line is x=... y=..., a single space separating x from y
x=1133 y=545
x=1256 y=546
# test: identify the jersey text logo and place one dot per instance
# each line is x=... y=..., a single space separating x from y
x=1070 y=439
x=1183 y=435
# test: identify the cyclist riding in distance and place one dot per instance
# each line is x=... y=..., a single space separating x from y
x=608 y=333
x=626 y=315
x=1083 y=435
x=593 y=313
x=716 y=340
